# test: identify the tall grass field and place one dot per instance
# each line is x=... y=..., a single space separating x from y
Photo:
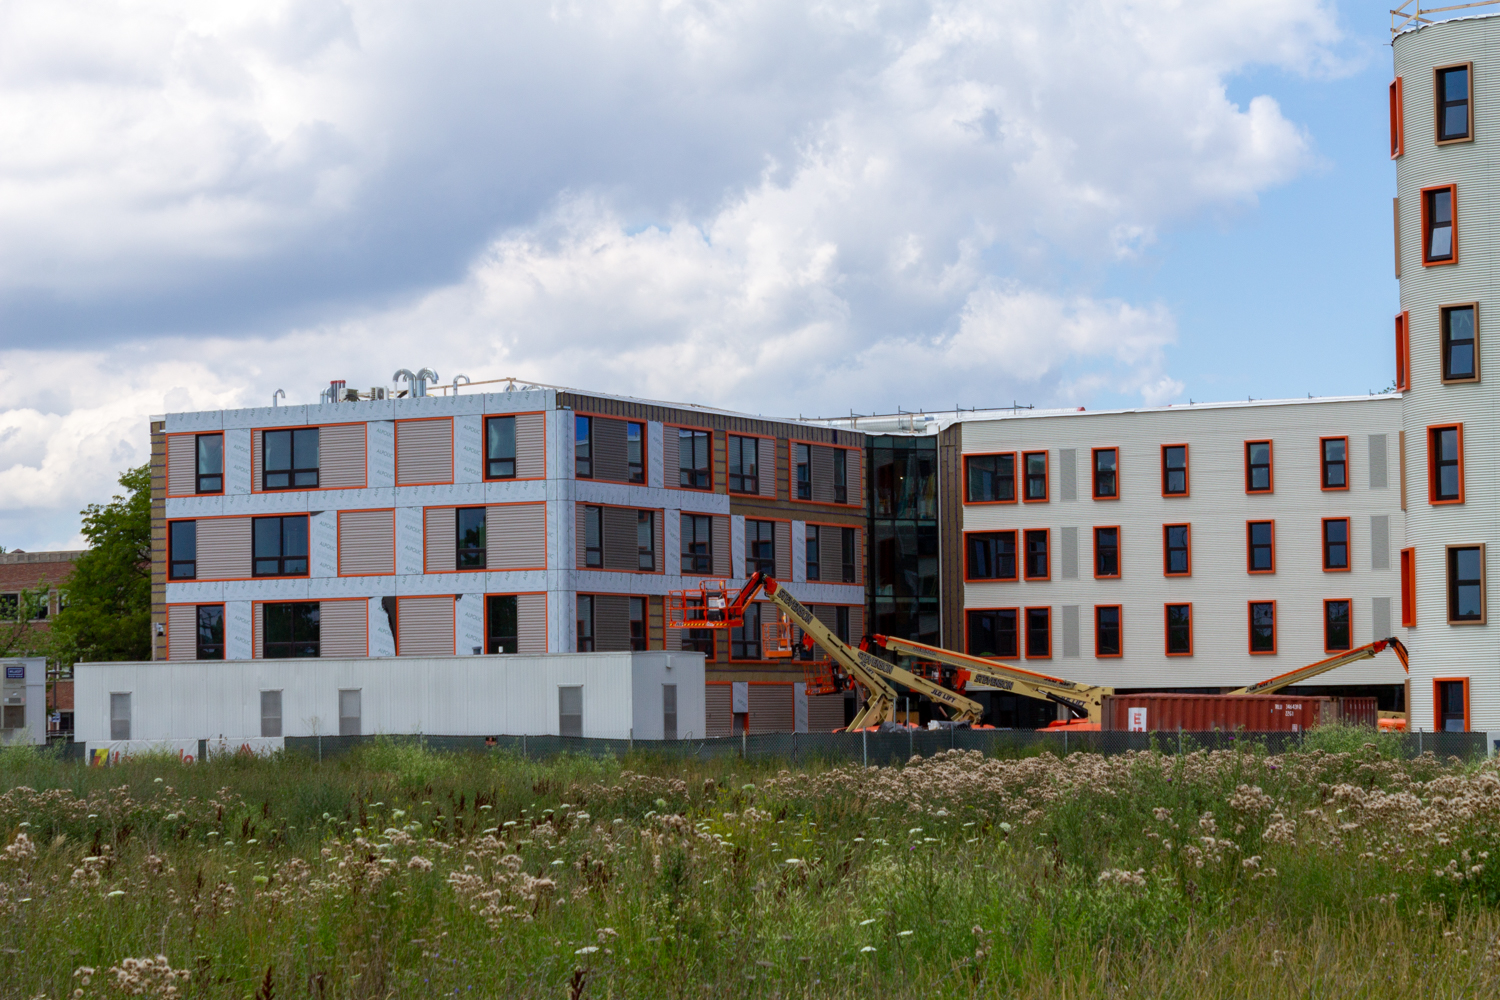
x=395 y=872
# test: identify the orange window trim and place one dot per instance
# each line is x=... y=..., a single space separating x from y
x=1016 y=539
x=1120 y=609
x=1403 y=352
x=1094 y=473
x=423 y=597
x=484 y=446
x=675 y=482
x=1166 y=637
x=661 y=526
x=1187 y=468
x=1270 y=468
x=1322 y=476
x=1443 y=311
x=727 y=436
x=1020 y=634
x=1408 y=588
x=1338 y=600
x=1025 y=630
x=1021 y=554
x=1249 y=551
x=1453 y=211
x=989 y=503
x=1250 y=629
x=1119 y=553
x=1437 y=705
x=1166 y=552
x=259 y=654
x=1398 y=124
x=222 y=475
x=259 y=443
x=1046 y=476
x=645 y=447
x=1432 y=470
x=1437 y=118
x=852 y=489
x=546 y=624
x=1348 y=546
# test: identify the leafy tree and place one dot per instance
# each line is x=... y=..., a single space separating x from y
x=106 y=612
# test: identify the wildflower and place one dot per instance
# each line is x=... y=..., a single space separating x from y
x=905 y=933
x=866 y=923
x=868 y=947
x=586 y=950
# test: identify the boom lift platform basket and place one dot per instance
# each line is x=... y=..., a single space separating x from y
x=710 y=606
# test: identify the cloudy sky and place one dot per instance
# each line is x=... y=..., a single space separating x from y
x=785 y=206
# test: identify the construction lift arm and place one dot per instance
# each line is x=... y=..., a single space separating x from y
x=1303 y=674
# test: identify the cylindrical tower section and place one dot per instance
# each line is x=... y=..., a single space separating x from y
x=1445 y=139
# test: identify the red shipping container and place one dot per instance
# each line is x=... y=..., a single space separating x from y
x=1256 y=713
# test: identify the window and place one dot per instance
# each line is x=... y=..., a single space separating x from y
x=270 y=713
x=119 y=715
x=804 y=471
x=1460 y=343
x=1261 y=542
x=645 y=540
x=210 y=637
x=1466 y=596
x=500 y=447
x=1106 y=630
x=291 y=631
x=1403 y=353
x=1179 y=629
x=813 y=546
x=1445 y=460
x=1337 y=629
x=470 y=528
x=635 y=451
x=210 y=463
x=1451 y=698
x=1438 y=211
x=10 y=607
x=1452 y=91
x=182 y=550
x=501 y=631
x=585 y=618
x=1262 y=627
x=1038 y=633
x=699 y=640
x=760 y=547
x=1334 y=455
x=669 y=711
x=638 y=624
x=744 y=642
x=1035 y=465
x=1177 y=548
x=990 y=478
x=583 y=447
x=1258 y=467
x=841 y=623
x=840 y=475
x=993 y=633
x=280 y=546
x=744 y=464
x=570 y=711
x=1398 y=129
x=350 y=712
x=1408 y=588
x=289 y=459
x=1106 y=553
x=697 y=543
x=1106 y=473
x=848 y=553
x=593 y=536
x=1038 y=561
x=1335 y=544
x=1174 y=470
x=694 y=452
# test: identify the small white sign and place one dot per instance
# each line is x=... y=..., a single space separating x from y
x=1137 y=720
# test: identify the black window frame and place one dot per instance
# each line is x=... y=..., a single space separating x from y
x=1033 y=556
x=1172 y=546
x=1442 y=690
x=983 y=549
x=593 y=536
x=1004 y=623
x=498 y=465
x=1104 y=630
x=1440 y=211
x=1255 y=547
x=1457 y=615
x=583 y=621
x=1034 y=484
x=215 y=479
x=293 y=647
x=281 y=558
x=763 y=559
x=745 y=640
x=1451 y=345
x=1111 y=475
x=1033 y=632
x=645 y=554
x=1104 y=551
x=741 y=481
x=1262 y=638
x=213 y=623
x=297 y=475
x=635 y=451
x=469 y=557
x=1443 y=104
x=841 y=475
x=812 y=552
x=1331 y=466
x=1252 y=467
x=502 y=624
x=849 y=554
x=1331 y=626
x=705 y=556
x=1168 y=470
x=695 y=477
x=1331 y=545
x=803 y=467
x=1177 y=629
x=638 y=625
x=1436 y=439
x=1002 y=483
x=583 y=446
x=179 y=567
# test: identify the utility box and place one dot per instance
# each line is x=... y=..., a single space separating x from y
x=23 y=700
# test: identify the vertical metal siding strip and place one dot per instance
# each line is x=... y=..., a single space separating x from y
x=1377 y=462
x=531 y=623
x=721 y=560
x=224 y=548
x=825 y=713
x=609 y=450
x=258 y=631
x=1067 y=469
x=830 y=553
x=341 y=456
x=856 y=623
x=439 y=540
x=182 y=465
x=516 y=536
x=658 y=517
x=765 y=467
x=255 y=443
x=1070 y=630
x=425 y=626
x=611 y=623
x=424 y=451
x=580 y=535
x=1070 y=553
x=771 y=708
x=859 y=556
x=671 y=457
x=718 y=720
x=783 y=535
x=620 y=549
x=343 y=629
x=855 y=477
x=531 y=445
x=822 y=473
x=1380 y=618
x=367 y=540
x=182 y=632
x=1380 y=543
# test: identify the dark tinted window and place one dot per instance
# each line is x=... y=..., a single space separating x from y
x=1458 y=343
x=501 y=624
x=500 y=447
x=992 y=633
x=1336 y=630
x=1107 y=631
x=1453 y=103
x=693 y=457
x=1038 y=632
x=290 y=459
x=1466 y=584
x=991 y=478
x=1445 y=464
x=1258 y=467
x=1174 y=470
x=1335 y=463
x=1262 y=554
x=1179 y=628
x=1106 y=551
x=1106 y=472
x=1438 y=244
x=210 y=461
x=280 y=546
x=291 y=630
x=991 y=555
x=1263 y=627
x=182 y=550
x=471 y=550
x=1336 y=543
x=210 y=632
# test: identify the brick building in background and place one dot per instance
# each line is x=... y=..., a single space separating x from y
x=19 y=573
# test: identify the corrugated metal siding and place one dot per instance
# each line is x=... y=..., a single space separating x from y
x=531 y=445
x=1380 y=541
x=830 y=553
x=343 y=628
x=822 y=474
x=856 y=476
x=341 y=456
x=765 y=466
x=426 y=626
x=1069 y=547
x=620 y=549
x=1377 y=462
x=182 y=464
x=516 y=536
x=1070 y=631
x=1067 y=473
x=255 y=466
x=424 y=451
x=825 y=713
x=580 y=536
x=663 y=559
x=1380 y=617
x=224 y=548
x=720 y=552
x=182 y=632
x=439 y=540
x=609 y=450
x=367 y=542
x=531 y=623
x=856 y=624
x=771 y=708
x=717 y=718
x=859 y=556
x=611 y=623
x=671 y=458
x=783 y=535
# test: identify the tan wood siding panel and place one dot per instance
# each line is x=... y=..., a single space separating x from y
x=822 y=474
x=531 y=445
x=531 y=623
x=772 y=709
x=720 y=552
x=516 y=536
x=425 y=626
x=671 y=458
x=424 y=451
x=765 y=466
x=439 y=540
x=182 y=464
x=718 y=720
x=783 y=534
x=367 y=542
x=341 y=457
x=611 y=623
x=825 y=713
x=224 y=548
x=580 y=536
x=182 y=632
x=620 y=549
x=609 y=450
x=343 y=628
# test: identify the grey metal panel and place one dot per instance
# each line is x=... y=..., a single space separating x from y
x=258 y=630
x=765 y=466
x=531 y=445
x=341 y=456
x=611 y=623
x=516 y=536
x=1069 y=539
x=718 y=719
x=825 y=713
x=783 y=549
x=182 y=465
x=1377 y=462
x=822 y=473
x=425 y=626
x=580 y=535
x=424 y=451
x=856 y=624
x=367 y=542
x=609 y=450
x=343 y=628
x=620 y=548
x=182 y=632
x=830 y=553
x=224 y=548
x=439 y=540
x=256 y=441
x=771 y=708
x=1380 y=542
x=1380 y=617
x=671 y=458
x=720 y=552
x=1070 y=631
x=531 y=623
x=855 y=476
x=1067 y=473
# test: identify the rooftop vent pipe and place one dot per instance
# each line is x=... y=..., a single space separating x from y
x=416 y=383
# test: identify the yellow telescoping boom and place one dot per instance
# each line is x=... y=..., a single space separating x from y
x=1085 y=700
x=1302 y=674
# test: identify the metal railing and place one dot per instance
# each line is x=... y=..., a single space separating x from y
x=1404 y=16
